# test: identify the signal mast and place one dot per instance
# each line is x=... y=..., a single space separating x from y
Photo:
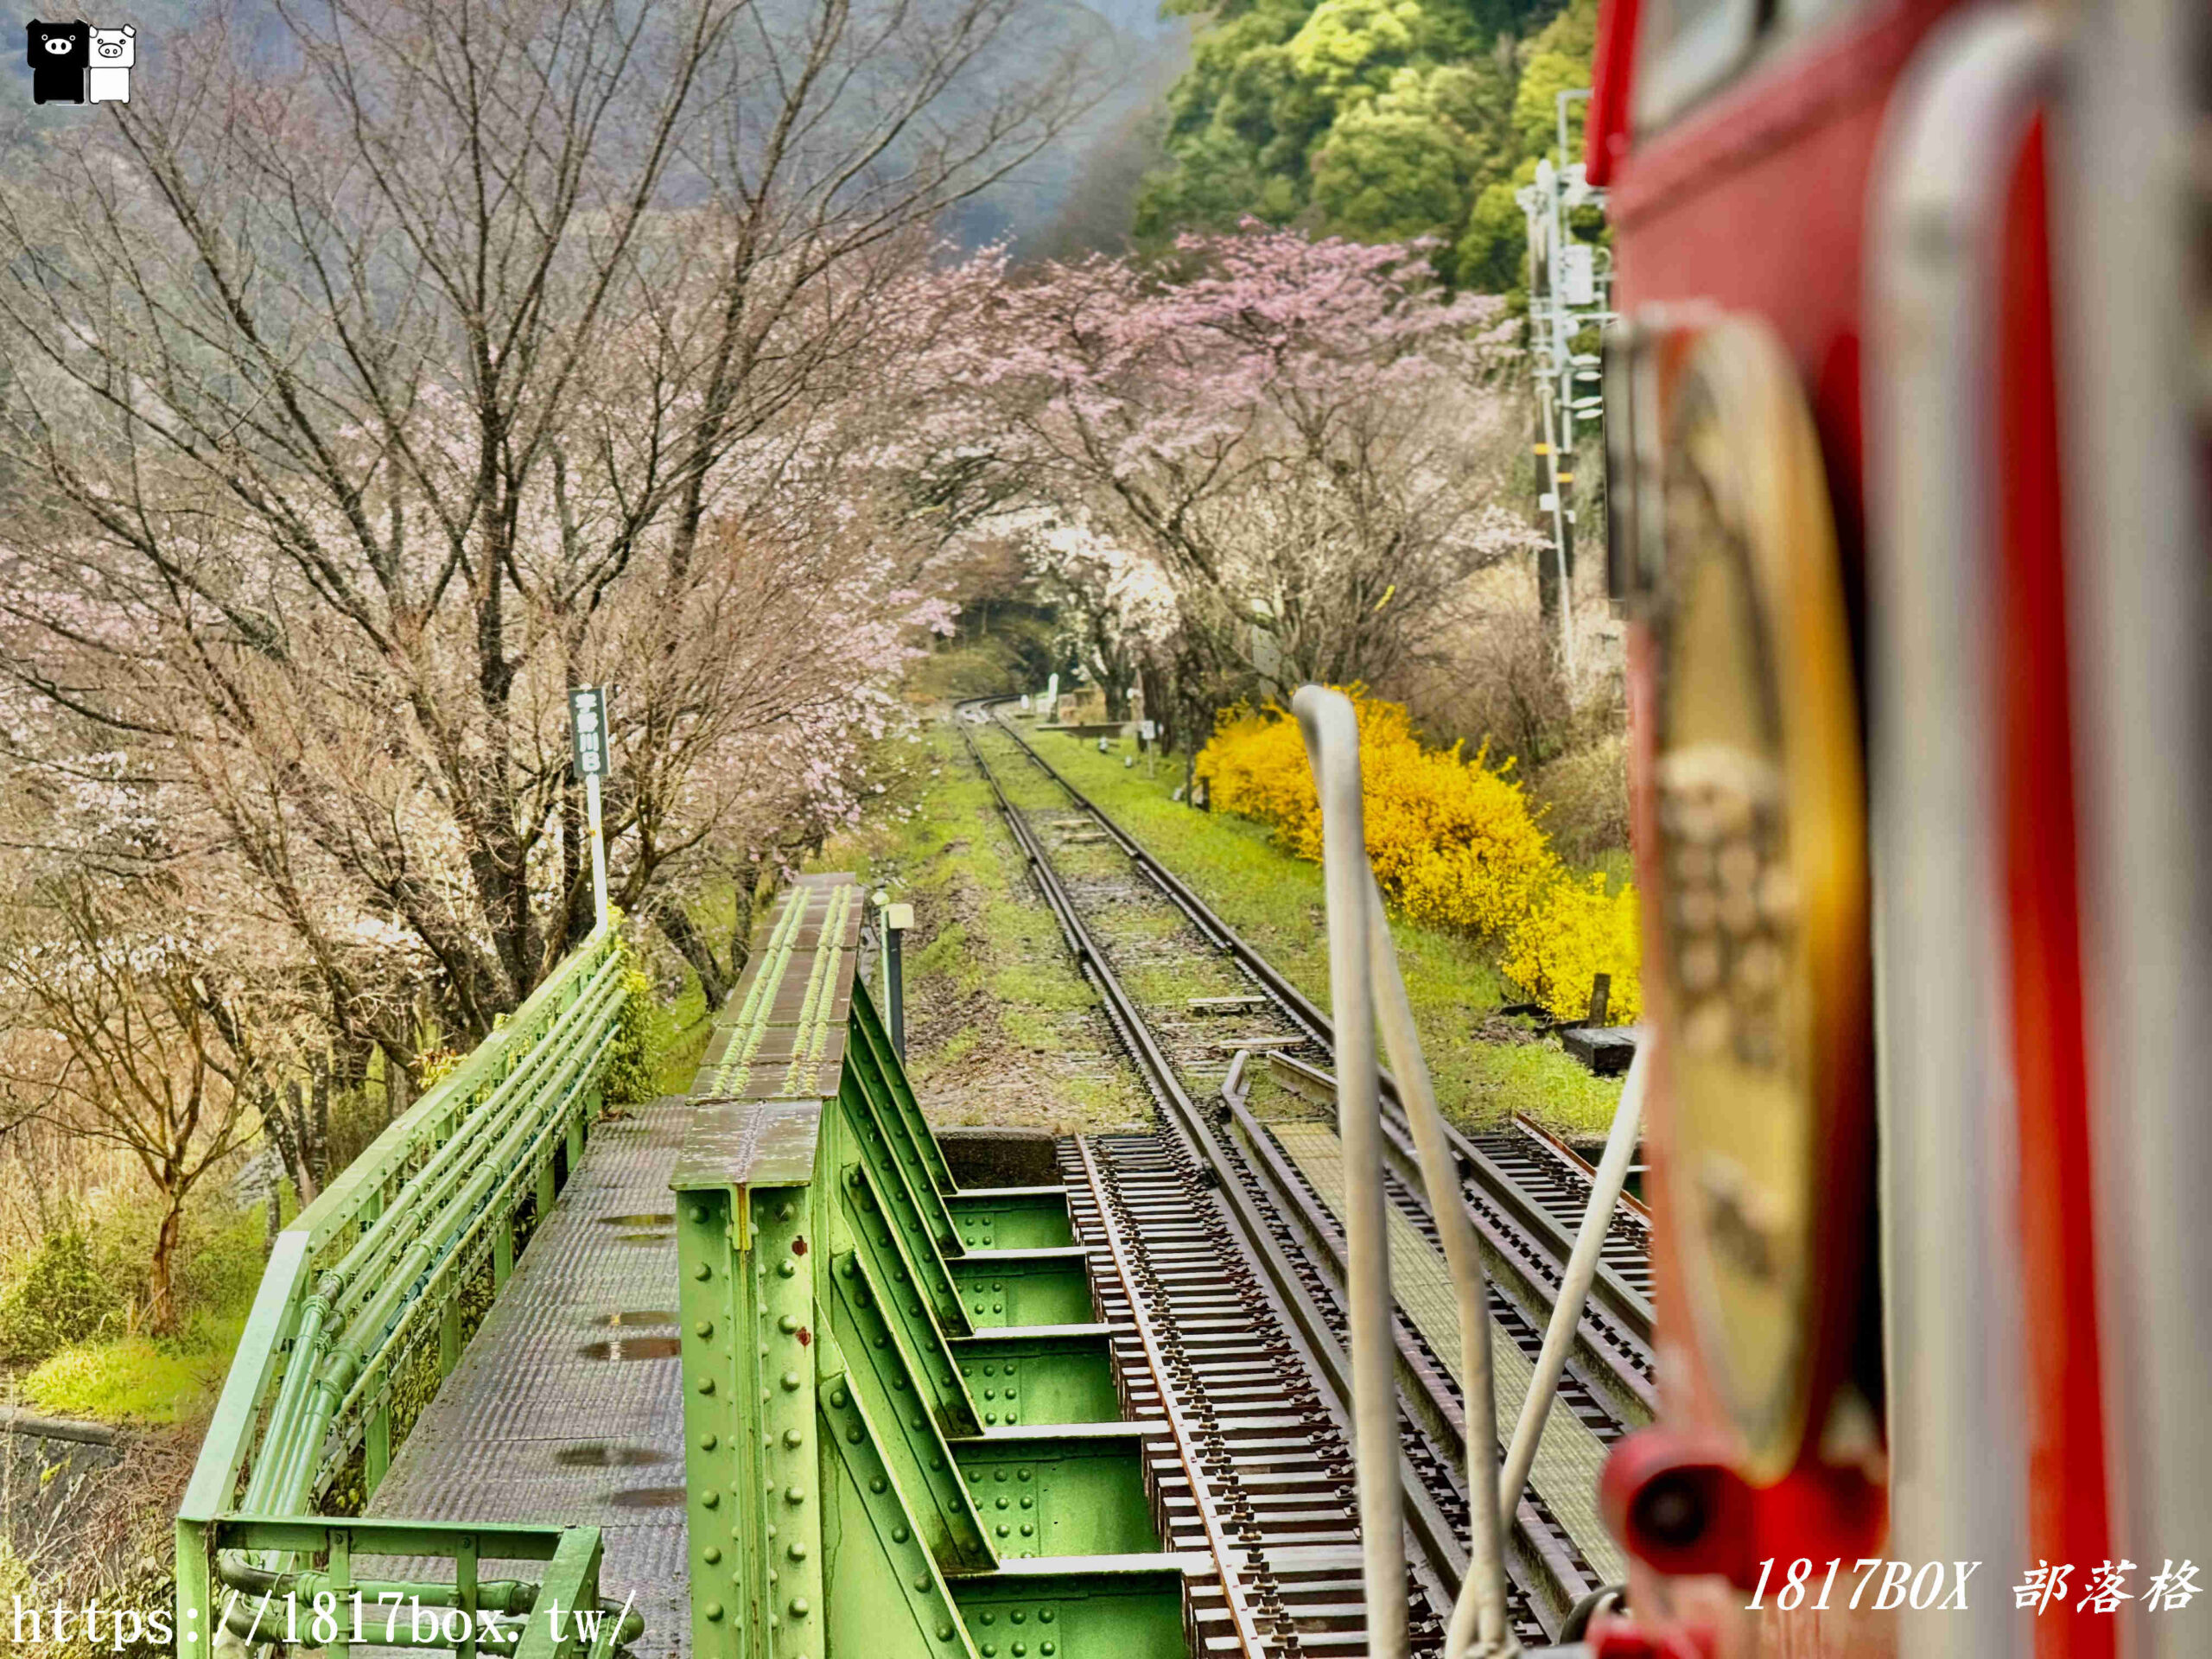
x=1570 y=292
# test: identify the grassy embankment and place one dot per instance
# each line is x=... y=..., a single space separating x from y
x=1275 y=901
x=1000 y=1026
x=114 y=1374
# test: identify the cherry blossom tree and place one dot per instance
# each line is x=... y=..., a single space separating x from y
x=111 y=1026
x=367 y=395
x=1305 y=443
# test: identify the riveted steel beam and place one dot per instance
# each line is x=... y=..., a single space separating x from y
x=850 y=1478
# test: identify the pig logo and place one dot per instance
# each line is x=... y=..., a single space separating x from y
x=59 y=54
x=114 y=52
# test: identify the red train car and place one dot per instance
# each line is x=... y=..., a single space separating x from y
x=1907 y=425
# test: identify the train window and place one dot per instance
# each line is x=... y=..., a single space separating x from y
x=1684 y=49
x=1688 y=48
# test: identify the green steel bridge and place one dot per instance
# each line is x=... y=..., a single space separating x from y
x=748 y=1374
x=760 y=1348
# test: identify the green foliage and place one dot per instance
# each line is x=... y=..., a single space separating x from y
x=137 y=1379
x=62 y=1298
x=66 y=1313
x=1382 y=120
x=1558 y=62
x=1492 y=254
x=632 y=1074
x=1395 y=166
x=219 y=1263
x=680 y=1032
x=219 y=1256
x=1347 y=49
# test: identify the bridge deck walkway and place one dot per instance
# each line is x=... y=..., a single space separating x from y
x=567 y=1405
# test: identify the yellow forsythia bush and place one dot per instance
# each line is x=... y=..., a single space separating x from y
x=1452 y=841
x=1575 y=930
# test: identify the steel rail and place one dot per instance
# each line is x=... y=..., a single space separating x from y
x=1186 y=1449
x=1532 y=1244
x=1584 y=1170
x=1424 y=1519
x=1546 y=1567
x=1618 y=1299
x=1547 y=1570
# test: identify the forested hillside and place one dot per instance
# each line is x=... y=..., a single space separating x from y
x=1380 y=120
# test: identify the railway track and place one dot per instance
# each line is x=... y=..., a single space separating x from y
x=1526 y=1192
x=1223 y=1225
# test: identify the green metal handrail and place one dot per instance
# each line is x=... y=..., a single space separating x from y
x=358 y=1285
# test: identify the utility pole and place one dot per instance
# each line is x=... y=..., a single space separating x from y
x=1567 y=293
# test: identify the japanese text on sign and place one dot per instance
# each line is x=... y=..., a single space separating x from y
x=588 y=729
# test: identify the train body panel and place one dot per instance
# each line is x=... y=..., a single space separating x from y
x=1890 y=207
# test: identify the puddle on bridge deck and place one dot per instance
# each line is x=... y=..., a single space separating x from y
x=657 y=1229
x=598 y=1454
x=623 y=1348
x=648 y=1498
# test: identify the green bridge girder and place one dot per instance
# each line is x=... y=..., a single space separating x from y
x=903 y=1427
x=903 y=1436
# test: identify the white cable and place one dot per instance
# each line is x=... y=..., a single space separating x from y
x=1574 y=1289
x=1479 y=1614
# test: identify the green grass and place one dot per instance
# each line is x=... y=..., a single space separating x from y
x=988 y=974
x=118 y=1376
x=1277 y=902
x=138 y=1379
x=678 y=1038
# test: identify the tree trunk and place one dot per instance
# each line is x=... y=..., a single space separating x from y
x=398 y=1087
x=676 y=927
x=320 y=1156
x=1159 y=706
x=161 y=1286
x=740 y=925
x=288 y=1127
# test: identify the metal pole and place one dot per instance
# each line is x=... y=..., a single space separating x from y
x=1331 y=733
x=1574 y=1289
x=1558 y=542
x=598 y=850
x=1562 y=342
x=895 y=974
x=1560 y=104
x=1479 y=1615
x=881 y=900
